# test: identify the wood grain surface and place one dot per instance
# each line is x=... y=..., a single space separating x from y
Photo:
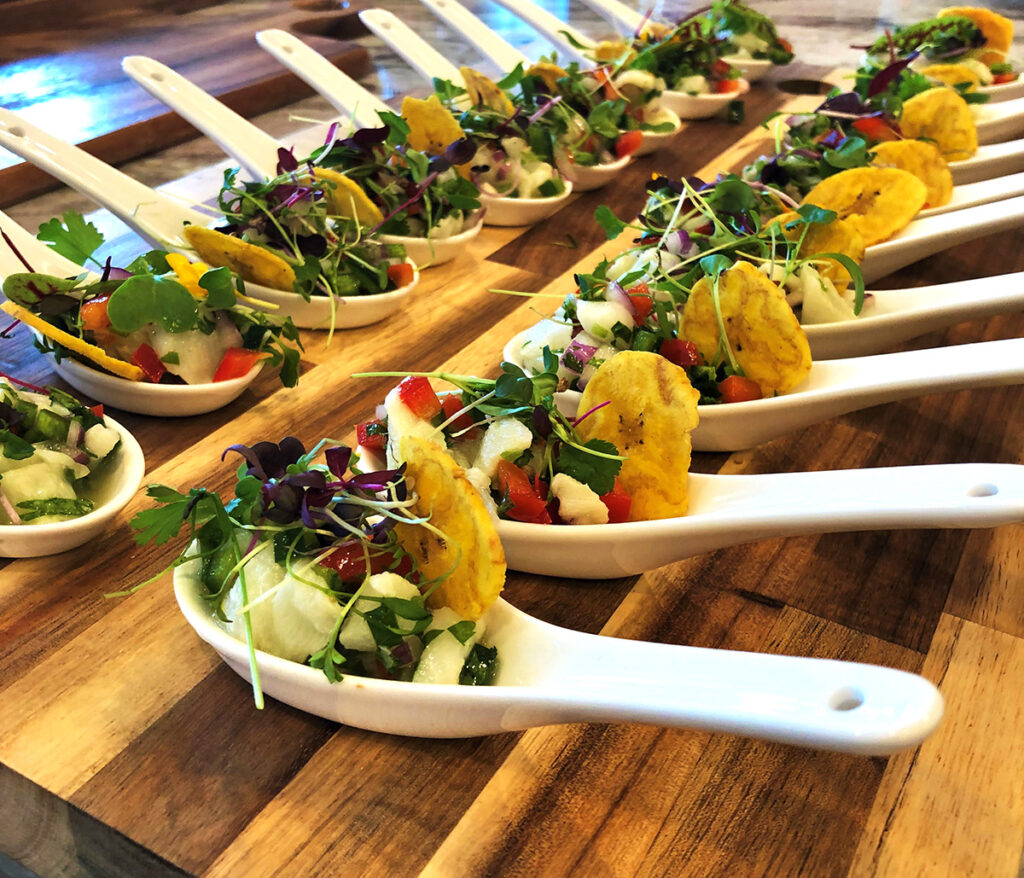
x=128 y=748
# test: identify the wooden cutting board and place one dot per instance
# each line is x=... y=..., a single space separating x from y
x=68 y=79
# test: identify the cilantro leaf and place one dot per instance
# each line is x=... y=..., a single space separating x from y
x=30 y=509
x=596 y=472
x=74 y=238
x=608 y=221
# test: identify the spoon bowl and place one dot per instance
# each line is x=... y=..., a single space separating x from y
x=586 y=178
x=123 y=478
x=990 y=161
x=701 y=106
x=751 y=69
x=998 y=122
x=550 y=675
x=502 y=211
x=1004 y=91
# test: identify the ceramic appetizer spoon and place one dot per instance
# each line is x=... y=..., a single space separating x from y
x=991 y=160
x=729 y=510
x=549 y=675
x=257 y=150
x=159 y=219
x=982 y=192
x=998 y=122
x=1003 y=91
x=347 y=96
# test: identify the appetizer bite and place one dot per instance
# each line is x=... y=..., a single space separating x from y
x=743 y=33
x=383 y=574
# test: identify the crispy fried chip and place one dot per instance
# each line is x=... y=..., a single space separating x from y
x=837 y=236
x=942 y=116
x=550 y=73
x=606 y=51
x=766 y=338
x=952 y=74
x=997 y=29
x=921 y=159
x=482 y=90
x=651 y=410
x=254 y=264
x=877 y=202
x=347 y=197
x=432 y=129
x=471 y=545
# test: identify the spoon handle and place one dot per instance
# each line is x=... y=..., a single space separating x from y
x=834 y=705
x=501 y=53
x=934 y=234
x=237 y=136
x=1000 y=121
x=157 y=217
x=344 y=93
x=552 y=27
x=409 y=45
x=619 y=14
x=982 y=192
x=40 y=257
x=991 y=160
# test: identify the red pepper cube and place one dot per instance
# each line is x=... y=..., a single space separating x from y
x=526 y=502
x=452 y=403
x=738 y=388
x=681 y=352
x=372 y=435
x=148 y=361
x=417 y=394
x=236 y=363
x=618 y=503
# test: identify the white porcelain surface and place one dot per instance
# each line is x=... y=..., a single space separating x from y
x=991 y=160
x=653 y=140
x=701 y=106
x=416 y=51
x=521 y=211
x=982 y=192
x=728 y=510
x=587 y=178
x=40 y=257
x=1005 y=91
x=501 y=53
x=32 y=540
x=751 y=69
x=549 y=675
x=623 y=17
x=556 y=31
x=1001 y=121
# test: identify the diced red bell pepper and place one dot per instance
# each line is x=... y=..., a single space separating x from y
x=681 y=352
x=417 y=394
x=372 y=435
x=618 y=503
x=738 y=388
x=786 y=44
x=147 y=360
x=1000 y=78
x=526 y=500
x=601 y=75
x=727 y=86
x=94 y=314
x=97 y=409
x=451 y=404
x=642 y=300
x=628 y=142
x=721 y=68
x=349 y=561
x=875 y=128
x=236 y=362
x=705 y=229
x=401 y=275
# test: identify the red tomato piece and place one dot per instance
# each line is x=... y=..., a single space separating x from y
x=236 y=362
x=527 y=501
x=721 y=68
x=875 y=128
x=737 y=388
x=94 y=314
x=618 y=503
x=628 y=143
x=349 y=561
x=97 y=410
x=642 y=300
x=416 y=392
x=147 y=360
x=1000 y=78
x=401 y=275
x=681 y=352
x=726 y=86
x=373 y=435
x=451 y=404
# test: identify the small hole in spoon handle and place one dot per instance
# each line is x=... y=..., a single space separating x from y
x=846 y=699
x=983 y=490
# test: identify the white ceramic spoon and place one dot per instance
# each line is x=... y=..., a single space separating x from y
x=159 y=219
x=141 y=397
x=998 y=122
x=991 y=160
x=1004 y=91
x=550 y=675
x=736 y=509
x=347 y=95
x=893 y=316
x=257 y=150
x=555 y=30
x=982 y=192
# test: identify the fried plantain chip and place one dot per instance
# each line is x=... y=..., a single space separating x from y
x=952 y=74
x=470 y=551
x=606 y=51
x=942 y=116
x=347 y=197
x=837 y=236
x=484 y=91
x=253 y=263
x=997 y=30
x=651 y=410
x=766 y=338
x=550 y=73
x=432 y=128
x=877 y=202
x=921 y=159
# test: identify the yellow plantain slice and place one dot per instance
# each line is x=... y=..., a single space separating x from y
x=651 y=410
x=251 y=262
x=347 y=197
x=550 y=73
x=470 y=552
x=952 y=74
x=942 y=116
x=837 y=236
x=921 y=159
x=484 y=91
x=766 y=338
x=877 y=202
x=432 y=129
x=997 y=29
x=73 y=343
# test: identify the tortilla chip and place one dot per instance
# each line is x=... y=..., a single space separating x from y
x=921 y=159
x=347 y=197
x=766 y=338
x=942 y=116
x=651 y=410
x=484 y=91
x=432 y=128
x=997 y=30
x=837 y=236
x=952 y=74
x=550 y=73
x=470 y=554
x=877 y=202
x=253 y=263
